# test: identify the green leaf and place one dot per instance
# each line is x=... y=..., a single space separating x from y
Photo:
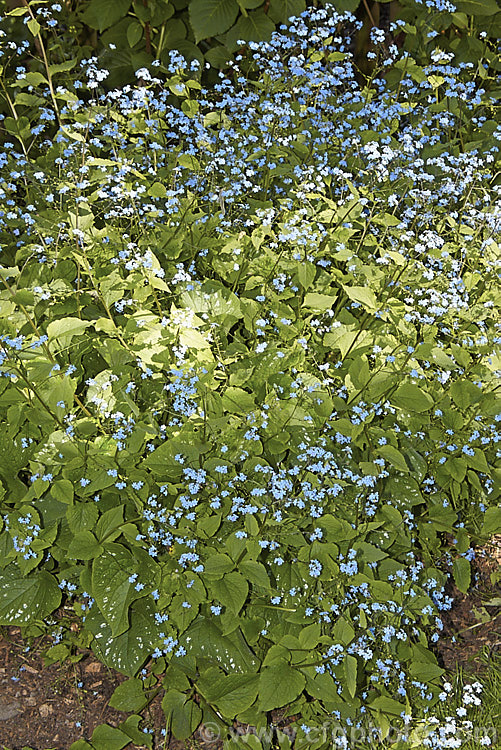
x=256 y=27
x=157 y=190
x=204 y=641
x=370 y=553
x=82 y=516
x=342 y=338
x=461 y=569
x=64 y=329
x=193 y=339
x=212 y=17
x=129 y=696
x=237 y=401
x=231 y=591
x=109 y=525
x=250 y=4
x=344 y=5
x=219 y=564
x=220 y=304
x=111 y=587
x=281 y=10
x=232 y=693
x=126 y=652
x=425 y=670
x=101 y=14
x=337 y=528
x=464 y=393
x=84 y=546
x=342 y=631
x=131 y=728
x=182 y=715
x=310 y=635
x=24 y=600
x=394 y=456
x=412 y=398
x=62 y=67
x=477 y=7
x=105 y=737
x=79 y=745
x=62 y=491
x=492 y=522
x=278 y=686
x=350 y=671
x=134 y=33
x=457 y=468
x=33 y=26
x=319 y=301
x=306 y=274
x=255 y=572
x=362 y=295
x=387 y=705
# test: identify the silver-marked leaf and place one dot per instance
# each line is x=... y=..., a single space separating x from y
x=111 y=587
x=204 y=641
x=126 y=652
x=24 y=600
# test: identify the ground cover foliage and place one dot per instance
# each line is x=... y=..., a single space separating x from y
x=250 y=358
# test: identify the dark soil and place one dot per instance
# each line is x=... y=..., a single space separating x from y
x=52 y=706
x=473 y=624
x=49 y=707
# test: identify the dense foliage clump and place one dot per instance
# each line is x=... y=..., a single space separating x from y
x=250 y=359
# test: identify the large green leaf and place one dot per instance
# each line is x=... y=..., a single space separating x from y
x=477 y=7
x=350 y=671
x=412 y=398
x=231 y=590
x=105 y=737
x=391 y=454
x=212 y=17
x=82 y=517
x=279 y=685
x=363 y=295
x=204 y=641
x=126 y=652
x=129 y=696
x=237 y=401
x=23 y=600
x=111 y=587
x=232 y=693
x=220 y=303
x=182 y=715
x=492 y=521
x=101 y=14
x=387 y=705
x=84 y=546
x=461 y=569
x=64 y=329
x=464 y=393
x=281 y=10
